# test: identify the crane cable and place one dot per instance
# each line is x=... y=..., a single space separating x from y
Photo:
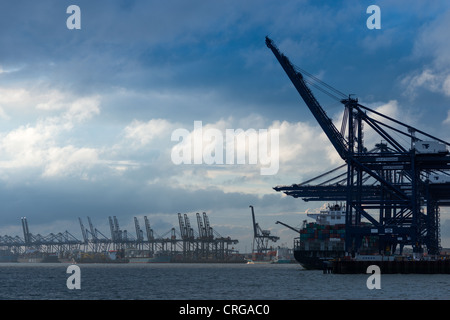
x=336 y=93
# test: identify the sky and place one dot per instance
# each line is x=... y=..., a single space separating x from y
x=87 y=115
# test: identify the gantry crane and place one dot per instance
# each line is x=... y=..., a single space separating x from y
x=150 y=235
x=261 y=237
x=139 y=234
x=397 y=189
x=26 y=231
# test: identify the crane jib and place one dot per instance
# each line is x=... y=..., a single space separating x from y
x=338 y=141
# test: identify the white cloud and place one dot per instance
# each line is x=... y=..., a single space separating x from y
x=304 y=151
x=68 y=160
x=24 y=146
x=42 y=102
x=82 y=109
x=432 y=41
x=304 y=148
x=15 y=96
x=447 y=120
x=4 y=115
x=446 y=86
x=430 y=79
x=42 y=145
x=50 y=100
x=9 y=70
x=432 y=45
x=144 y=132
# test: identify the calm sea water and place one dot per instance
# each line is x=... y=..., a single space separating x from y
x=209 y=282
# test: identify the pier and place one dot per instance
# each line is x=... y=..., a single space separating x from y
x=440 y=266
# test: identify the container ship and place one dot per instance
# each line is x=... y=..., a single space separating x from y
x=146 y=256
x=35 y=256
x=112 y=256
x=324 y=240
x=7 y=256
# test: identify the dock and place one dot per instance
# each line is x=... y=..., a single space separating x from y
x=391 y=267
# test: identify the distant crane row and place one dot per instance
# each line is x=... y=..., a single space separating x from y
x=208 y=243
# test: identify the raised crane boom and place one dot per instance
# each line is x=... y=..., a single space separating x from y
x=336 y=138
x=288 y=226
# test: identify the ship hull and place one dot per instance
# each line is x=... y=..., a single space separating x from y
x=315 y=260
x=8 y=258
x=39 y=258
x=159 y=259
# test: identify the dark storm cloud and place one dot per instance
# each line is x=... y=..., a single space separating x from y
x=195 y=46
x=65 y=198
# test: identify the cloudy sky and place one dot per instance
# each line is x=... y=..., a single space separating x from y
x=86 y=116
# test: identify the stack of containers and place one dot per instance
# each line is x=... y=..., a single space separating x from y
x=322 y=237
x=331 y=237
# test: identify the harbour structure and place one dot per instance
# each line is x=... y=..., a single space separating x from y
x=390 y=265
x=185 y=245
x=393 y=191
x=51 y=243
x=324 y=239
x=205 y=245
x=261 y=240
